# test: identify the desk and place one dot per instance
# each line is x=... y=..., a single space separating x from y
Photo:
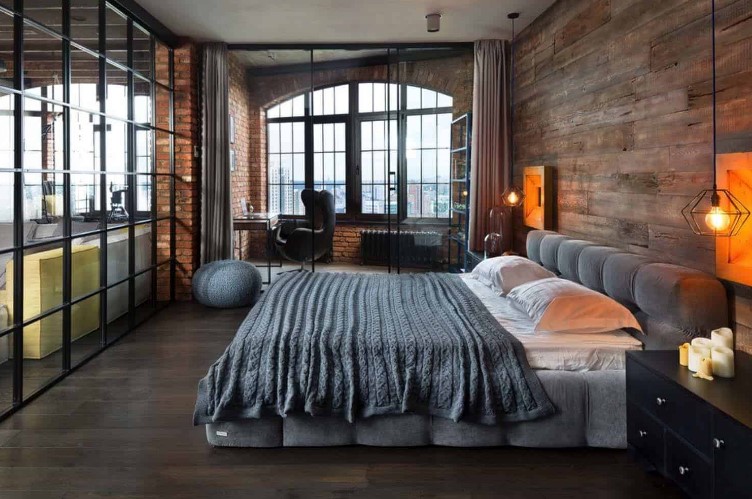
x=259 y=222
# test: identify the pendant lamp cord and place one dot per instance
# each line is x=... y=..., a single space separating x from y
x=712 y=22
x=511 y=109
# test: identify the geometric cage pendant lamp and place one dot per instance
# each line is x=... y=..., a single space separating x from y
x=715 y=212
x=513 y=196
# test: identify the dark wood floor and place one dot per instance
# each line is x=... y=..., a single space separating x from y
x=121 y=427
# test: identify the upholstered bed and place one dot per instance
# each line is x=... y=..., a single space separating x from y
x=583 y=376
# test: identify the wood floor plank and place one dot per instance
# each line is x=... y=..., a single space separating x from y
x=120 y=428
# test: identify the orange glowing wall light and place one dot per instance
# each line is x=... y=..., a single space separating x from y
x=733 y=255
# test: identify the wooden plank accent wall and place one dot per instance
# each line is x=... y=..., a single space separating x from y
x=615 y=95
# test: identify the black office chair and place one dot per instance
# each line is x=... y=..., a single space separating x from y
x=297 y=240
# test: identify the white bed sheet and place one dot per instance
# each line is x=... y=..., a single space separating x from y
x=556 y=351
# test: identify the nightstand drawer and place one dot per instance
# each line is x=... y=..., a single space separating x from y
x=683 y=413
x=687 y=468
x=645 y=435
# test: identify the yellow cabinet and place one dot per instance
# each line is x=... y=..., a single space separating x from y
x=43 y=290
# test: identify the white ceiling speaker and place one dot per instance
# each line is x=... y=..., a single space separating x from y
x=433 y=23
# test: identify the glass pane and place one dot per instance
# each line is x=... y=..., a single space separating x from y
x=442 y=201
x=144 y=193
x=43 y=135
x=143 y=254
x=445 y=101
x=43 y=59
x=6 y=305
x=117 y=36
x=85 y=203
x=6 y=371
x=428 y=202
x=342 y=99
x=298 y=134
x=117 y=92
x=429 y=131
x=444 y=131
x=42 y=278
x=413 y=200
x=7 y=183
x=142 y=54
x=413 y=166
x=43 y=205
x=6 y=49
x=85 y=319
x=85 y=256
x=117 y=144
x=117 y=209
x=365 y=97
x=442 y=161
x=428 y=99
x=85 y=147
x=117 y=256
x=298 y=106
x=84 y=80
x=379 y=97
x=42 y=347
x=413 y=97
x=144 y=151
x=84 y=16
x=142 y=107
x=46 y=12
x=117 y=310
x=429 y=165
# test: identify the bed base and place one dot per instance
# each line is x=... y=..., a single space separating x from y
x=591 y=412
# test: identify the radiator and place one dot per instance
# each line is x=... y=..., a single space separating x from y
x=416 y=249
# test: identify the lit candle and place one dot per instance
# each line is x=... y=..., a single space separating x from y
x=722 y=337
x=723 y=361
x=684 y=355
x=696 y=354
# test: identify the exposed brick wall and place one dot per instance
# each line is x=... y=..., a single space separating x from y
x=453 y=76
x=187 y=167
x=242 y=180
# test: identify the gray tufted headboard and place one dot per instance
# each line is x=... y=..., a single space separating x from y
x=673 y=304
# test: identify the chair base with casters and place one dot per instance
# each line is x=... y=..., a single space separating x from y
x=302 y=242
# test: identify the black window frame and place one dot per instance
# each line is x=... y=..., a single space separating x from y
x=353 y=120
x=17 y=90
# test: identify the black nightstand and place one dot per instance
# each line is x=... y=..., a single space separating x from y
x=694 y=432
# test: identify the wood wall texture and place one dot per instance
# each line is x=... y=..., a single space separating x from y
x=615 y=95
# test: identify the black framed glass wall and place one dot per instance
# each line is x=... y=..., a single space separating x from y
x=86 y=136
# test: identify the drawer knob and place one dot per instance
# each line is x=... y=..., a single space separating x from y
x=683 y=470
x=660 y=401
x=643 y=433
x=718 y=443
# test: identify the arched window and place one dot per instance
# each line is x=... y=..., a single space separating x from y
x=359 y=133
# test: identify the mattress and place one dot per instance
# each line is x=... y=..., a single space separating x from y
x=556 y=351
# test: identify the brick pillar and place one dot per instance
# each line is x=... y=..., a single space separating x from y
x=187 y=167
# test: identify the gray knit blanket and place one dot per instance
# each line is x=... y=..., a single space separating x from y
x=360 y=345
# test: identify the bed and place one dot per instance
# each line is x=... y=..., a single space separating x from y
x=581 y=376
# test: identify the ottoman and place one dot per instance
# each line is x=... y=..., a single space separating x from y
x=227 y=284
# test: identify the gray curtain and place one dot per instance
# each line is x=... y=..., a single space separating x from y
x=216 y=202
x=491 y=164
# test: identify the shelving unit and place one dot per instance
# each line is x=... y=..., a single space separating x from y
x=459 y=193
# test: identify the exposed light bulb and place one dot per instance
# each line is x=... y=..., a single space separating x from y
x=717 y=220
x=512 y=198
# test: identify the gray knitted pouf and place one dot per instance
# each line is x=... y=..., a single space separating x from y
x=227 y=284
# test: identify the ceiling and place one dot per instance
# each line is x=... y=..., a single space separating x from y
x=341 y=21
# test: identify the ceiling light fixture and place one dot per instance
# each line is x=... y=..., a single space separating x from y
x=513 y=196
x=433 y=22
x=715 y=212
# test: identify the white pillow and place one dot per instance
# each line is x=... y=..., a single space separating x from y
x=504 y=273
x=558 y=305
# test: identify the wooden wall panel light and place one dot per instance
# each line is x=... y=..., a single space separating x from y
x=537 y=209
x=734 y=254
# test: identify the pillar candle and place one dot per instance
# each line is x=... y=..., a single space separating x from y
x=684 y=355
x=696 y=355
x=702 y=343
x=723 y=361
x=722 y=337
